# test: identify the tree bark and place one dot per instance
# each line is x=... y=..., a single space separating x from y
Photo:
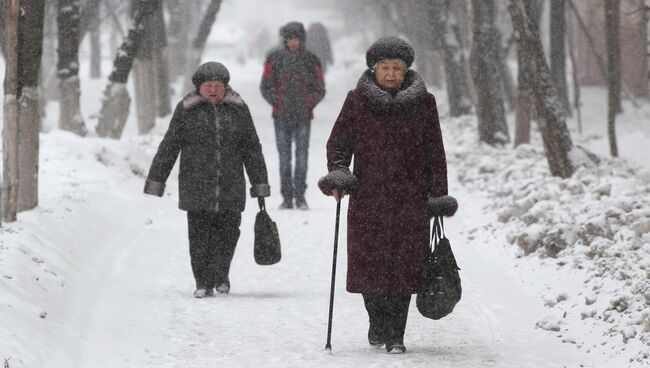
x=198 y=44
x=555 y=134
x=179 y=20
x=612 y=20
x=446 y=28
x=160 y=58
x=29 y=118
x=574 y=73
x=95 y=43
x=524 y=108
x=116 y=101
x=70 y=118
x=11 y=113
x=492 y=125
x=145 y=77
x=557 y=51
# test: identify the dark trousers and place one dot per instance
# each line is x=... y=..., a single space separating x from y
x=285 y=133
x=213 y=238
x=387 y=315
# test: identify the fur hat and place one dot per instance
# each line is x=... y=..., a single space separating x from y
x=292 y=30
x=210 y=71
x=390 y=48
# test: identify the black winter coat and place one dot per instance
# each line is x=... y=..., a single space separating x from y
x=215 y=143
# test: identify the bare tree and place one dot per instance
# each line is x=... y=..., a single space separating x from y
x=524 y=107
x=574 y=73
x=179 y=26
x=11 y=112
x=70 y=118
x=612 y=20
x=446 y=27
x=160 y=58
x=557 y=51
x=552 y=124
x=116 y=101
x=145 y=77
x=492 y=125
x=198 y=44
x=29 y=61
x=90 y=19
x=21 y=122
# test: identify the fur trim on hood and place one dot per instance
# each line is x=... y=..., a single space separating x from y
x=231 y=97
x=381 y=102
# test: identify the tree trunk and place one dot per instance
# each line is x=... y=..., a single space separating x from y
x=95 y=42
x=592 y=46
x=612 y=20
x=492 y=125
x=116 y=101
x=507 y=84
x=556 y=136
x=574 y=73
x=160 y=58
x=557 y=51
x=29 y=118
x=199 y=42
x=11 y=113
x=447 y=30
x=145 y=77
x=179 y=20
x=70 y=118
x=524 y=108
x=2 y=28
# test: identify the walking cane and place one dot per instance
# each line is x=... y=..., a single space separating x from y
x=328 y=345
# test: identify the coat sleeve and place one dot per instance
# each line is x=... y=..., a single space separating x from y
x=165 y=158
x=316 y=84
x=268 y=85
x=341 y=143
x=253 y=158
x=435 y=151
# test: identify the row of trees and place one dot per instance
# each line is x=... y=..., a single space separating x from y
x=468 y=42
x=25 y=24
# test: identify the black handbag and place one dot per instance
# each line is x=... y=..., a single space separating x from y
x=267 y=241
x=441 y=289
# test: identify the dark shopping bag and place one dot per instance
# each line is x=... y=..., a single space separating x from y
x=267 y=241
x=441 y=287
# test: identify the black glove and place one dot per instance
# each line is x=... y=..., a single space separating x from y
x=442 y=206
x=338 y=179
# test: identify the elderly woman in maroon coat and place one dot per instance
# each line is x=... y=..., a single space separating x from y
x=389 y=126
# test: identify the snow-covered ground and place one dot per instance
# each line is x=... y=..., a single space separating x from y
x=555 y=272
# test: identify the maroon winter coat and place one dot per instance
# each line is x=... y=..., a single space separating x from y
x=399 y=160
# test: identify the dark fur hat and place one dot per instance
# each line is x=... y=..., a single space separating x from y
x=292 y=30
x=210 y=71
x=390 y=48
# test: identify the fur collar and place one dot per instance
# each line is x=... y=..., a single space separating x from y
x=231 y=97
x=383 y=102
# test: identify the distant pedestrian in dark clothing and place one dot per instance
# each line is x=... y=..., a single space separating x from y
x=293 y=84
x=389 y=126
x=318 y=42
x=213 y=132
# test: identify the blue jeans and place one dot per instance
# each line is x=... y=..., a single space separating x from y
x=286 y=132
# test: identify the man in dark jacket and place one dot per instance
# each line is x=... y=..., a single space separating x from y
x=293 y=84
x=213 y=132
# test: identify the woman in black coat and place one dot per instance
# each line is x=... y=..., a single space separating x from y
x=213 y=132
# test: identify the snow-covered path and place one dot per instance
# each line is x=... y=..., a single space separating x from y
x=140 y=311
